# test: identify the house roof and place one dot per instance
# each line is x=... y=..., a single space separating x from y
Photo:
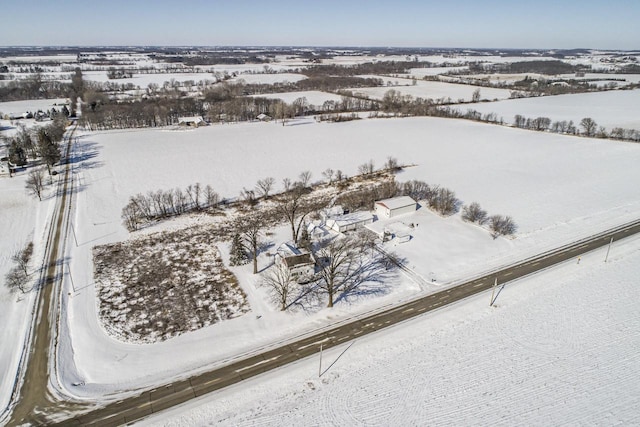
x=194 y=119
x=352 y=218
x=289 y=249
x=396 y=202
x=292 y=261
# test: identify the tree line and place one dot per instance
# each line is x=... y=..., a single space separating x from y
x=144 y=209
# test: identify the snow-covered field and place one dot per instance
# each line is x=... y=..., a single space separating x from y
x=434 y=71
x=560 y=348
x=530 y=176
x=143 y=80
x=314 y=97
x=31 y=105
x=22 y=220
x=618 y=108
x=435 y=90
x=269 y=78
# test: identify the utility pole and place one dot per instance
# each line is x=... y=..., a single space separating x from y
x=320 y=365
x=493 y=291
x=73 y=230
x=73 y=285
x=608 y=249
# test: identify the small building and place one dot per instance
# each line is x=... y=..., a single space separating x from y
x=195 y=121
x=263 y=117
x=349 y=222
x=299 y=261
x=389 y=208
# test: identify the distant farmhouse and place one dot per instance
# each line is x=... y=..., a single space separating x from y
x=195 y=121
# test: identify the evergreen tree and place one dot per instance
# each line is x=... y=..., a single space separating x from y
x=238 y=255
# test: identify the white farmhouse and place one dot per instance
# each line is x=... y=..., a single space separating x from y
x=349 y=222
x=299 y=262
x=389 y=208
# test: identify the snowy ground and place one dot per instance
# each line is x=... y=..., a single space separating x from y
x=269 y=78
x=435 y=90
x=143 y=80
x=529 y=175
x=618 y=108
x=560 y=348
x=22 y=219
x=314 y=97
x=31 y=105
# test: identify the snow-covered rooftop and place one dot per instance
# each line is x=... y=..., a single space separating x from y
x=396 y=202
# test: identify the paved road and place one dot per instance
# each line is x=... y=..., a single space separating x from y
x=33 y=394
x=161 y=398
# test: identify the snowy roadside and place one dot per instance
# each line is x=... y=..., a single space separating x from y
x=560 y=346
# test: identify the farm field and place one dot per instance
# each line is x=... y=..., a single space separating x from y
x=434 y=90
x=610 y=109
x=137 y=309
x=508 y=171
x=314 y=97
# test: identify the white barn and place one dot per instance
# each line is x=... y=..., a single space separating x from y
x=349 y=222
x=389 y=208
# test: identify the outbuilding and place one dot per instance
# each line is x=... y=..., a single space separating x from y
x=349 y=222
x=195 y=121
x=389 y=208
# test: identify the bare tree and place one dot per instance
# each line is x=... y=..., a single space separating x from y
x=391 y=164
x=22 y=257
x=264 y=186
x=286 y=184
x=251 y=226
x=475 y=97
x=474 y=213
x=35 y=182
x=281 y=285
x=444 y=201
x=305 y=178
x=328 y=174
x=501 y=226
x=249 y=197
x=346 y=263
x=295 y=205
x=519 y=121
x=131 y=216
x=16 y=280
x=366 y=168
x=541 y=123
x=210 y=196
x=589 y=126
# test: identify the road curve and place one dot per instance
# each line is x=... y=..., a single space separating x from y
x=160 y=398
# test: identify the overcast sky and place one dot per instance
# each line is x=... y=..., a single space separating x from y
x=611 y=24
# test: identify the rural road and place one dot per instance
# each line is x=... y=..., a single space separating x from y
x=37 y=406
x=158 y=399
x=33 y=393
